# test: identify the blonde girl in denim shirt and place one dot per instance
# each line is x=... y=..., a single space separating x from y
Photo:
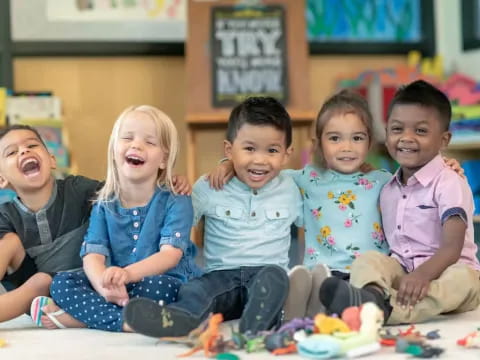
x=138 y=241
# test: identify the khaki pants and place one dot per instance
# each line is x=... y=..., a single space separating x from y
x=456 y=290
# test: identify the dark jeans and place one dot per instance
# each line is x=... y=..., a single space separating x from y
x=236 y=293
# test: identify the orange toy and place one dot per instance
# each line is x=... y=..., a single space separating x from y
x=208 y=338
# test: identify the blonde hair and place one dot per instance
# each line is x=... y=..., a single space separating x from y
x=342 y=103
x=168 y=140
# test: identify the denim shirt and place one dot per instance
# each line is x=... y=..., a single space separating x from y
x=126 y=236
x=246 y=227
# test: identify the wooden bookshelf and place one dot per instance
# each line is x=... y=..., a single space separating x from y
x=476 y=219
x=465 y=146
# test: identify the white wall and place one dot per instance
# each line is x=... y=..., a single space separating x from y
x=448 y=30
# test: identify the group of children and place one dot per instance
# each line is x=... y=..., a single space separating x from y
x=404 y=242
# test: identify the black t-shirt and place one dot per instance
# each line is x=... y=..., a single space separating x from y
x=52 y=236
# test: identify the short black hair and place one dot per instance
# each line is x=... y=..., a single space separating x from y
x=260 y=111
x=425 y=94
x=9 y=128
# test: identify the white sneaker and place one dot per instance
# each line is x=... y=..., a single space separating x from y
x=319 y=273
x=300 y=287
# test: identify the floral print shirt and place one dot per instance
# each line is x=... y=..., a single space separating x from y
x=341 y=215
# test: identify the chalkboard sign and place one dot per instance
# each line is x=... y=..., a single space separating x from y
x=248 y=54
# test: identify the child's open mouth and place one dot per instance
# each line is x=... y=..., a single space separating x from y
x=30 y=167
x=407 y=150
x=135 y=160
x=257 y=174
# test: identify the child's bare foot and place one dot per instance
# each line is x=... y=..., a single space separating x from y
x=56 y=318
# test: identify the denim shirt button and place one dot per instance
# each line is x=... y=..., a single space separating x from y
x=135 y=224
x=135 y=237
x=135 y=212
x=134 y=250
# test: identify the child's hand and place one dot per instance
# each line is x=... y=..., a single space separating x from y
x=114 y=276
x=413 y=287
x=221 y=175
x=455 y=166
x=181 y=185
x=366 y=168
x=116 y=295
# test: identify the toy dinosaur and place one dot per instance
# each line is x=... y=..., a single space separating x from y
x=206 y=336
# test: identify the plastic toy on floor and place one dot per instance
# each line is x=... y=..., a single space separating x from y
x=207 y=337
x=472 y=340
x=353 y=343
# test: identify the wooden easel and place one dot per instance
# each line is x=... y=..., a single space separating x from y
x=200 y=112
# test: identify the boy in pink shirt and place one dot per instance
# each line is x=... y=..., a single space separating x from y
x=427 y=212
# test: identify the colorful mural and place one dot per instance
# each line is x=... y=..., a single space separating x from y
x=364 y=20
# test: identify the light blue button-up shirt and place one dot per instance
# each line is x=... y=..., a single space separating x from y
x=128 y=235
x=245 y=227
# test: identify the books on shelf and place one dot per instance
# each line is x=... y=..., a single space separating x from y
x=3 y=106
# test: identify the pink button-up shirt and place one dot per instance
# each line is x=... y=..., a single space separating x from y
x=413 y=214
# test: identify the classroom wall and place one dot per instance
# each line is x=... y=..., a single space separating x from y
x=448 y=33
x=95 y=90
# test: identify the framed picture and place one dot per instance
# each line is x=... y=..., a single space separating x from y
x=248 y=47
x=98 y=27
x=470 y=24
x=370 y=26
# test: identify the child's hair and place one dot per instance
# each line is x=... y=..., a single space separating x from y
x=342 y=103
x=6 y=130
x=260 y=111
x=425 y=94
x=168 y=138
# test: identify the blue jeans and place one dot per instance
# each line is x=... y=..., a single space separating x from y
x=248 y=293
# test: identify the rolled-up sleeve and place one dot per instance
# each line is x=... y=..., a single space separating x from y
x=454 y=198
x=6 y=226
x=178 y=222
x=96 y=239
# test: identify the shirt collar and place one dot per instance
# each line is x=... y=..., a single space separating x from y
x=425 y=174
x=53 y=196
x=237 y=183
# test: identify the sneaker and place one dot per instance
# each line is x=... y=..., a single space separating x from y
x=147 y=317
x=300 y=288
x=319 y=273
x=266 y=297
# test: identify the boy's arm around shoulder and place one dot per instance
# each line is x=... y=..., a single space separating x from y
x=174 y=240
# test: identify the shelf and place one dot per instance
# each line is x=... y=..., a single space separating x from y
x=476 y=219
x=221 y=117
x=464 y=146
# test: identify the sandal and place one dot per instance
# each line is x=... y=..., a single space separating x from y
x=36 y=312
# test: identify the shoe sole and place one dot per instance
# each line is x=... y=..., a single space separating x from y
x=262 y=291
x=147 y=317
x=300 y=288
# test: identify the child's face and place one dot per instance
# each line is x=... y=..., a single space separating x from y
x=345 y=143
x=138 y=152
x=258 y=154
x=415 y=135
x=25 y=163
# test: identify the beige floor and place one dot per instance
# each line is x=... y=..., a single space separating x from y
x=24 y=341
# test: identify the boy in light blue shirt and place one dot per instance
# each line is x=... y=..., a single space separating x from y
x=247 y=232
